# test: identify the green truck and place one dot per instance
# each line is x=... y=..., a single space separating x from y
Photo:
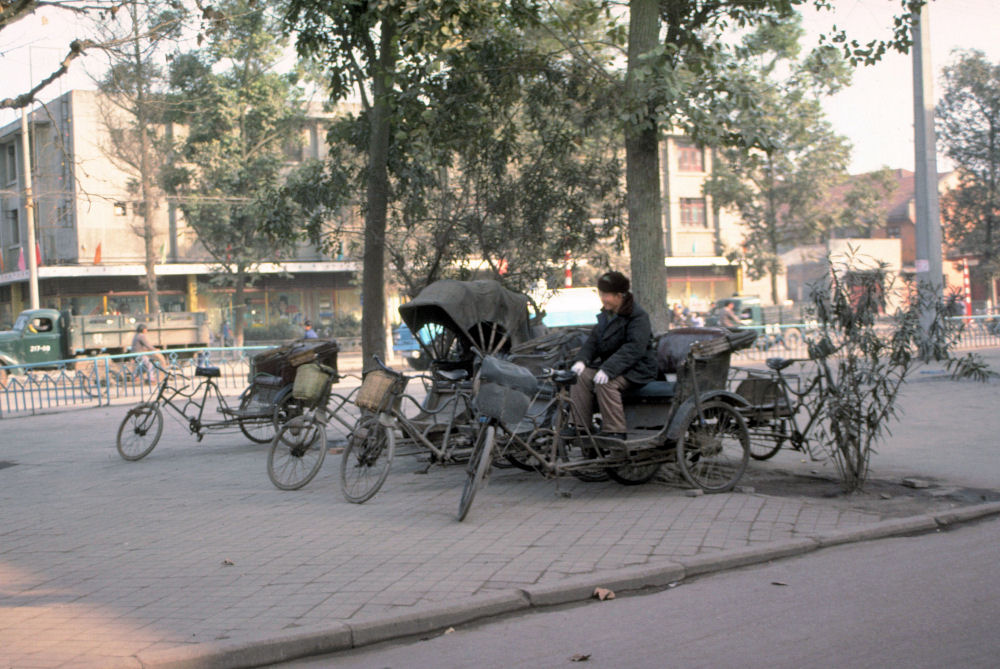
x=50 y=335
x=776 y=325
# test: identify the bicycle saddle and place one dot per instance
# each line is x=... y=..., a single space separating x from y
x=208 y=372
x=778 y=364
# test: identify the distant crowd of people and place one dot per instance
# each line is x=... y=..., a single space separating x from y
x=682 y=317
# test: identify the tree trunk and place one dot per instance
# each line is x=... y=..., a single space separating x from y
x=642 y=174
x=239 y=307
x=373 y=279
x=148 y=231
x=145 y=168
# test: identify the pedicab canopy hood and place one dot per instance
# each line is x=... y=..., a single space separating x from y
x=463 y=305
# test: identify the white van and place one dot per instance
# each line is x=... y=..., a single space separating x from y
x=570 y=306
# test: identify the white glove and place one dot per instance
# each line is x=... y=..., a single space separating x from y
x=578 y=367
x=600 y=378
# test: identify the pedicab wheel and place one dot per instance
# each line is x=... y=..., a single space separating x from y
x=632 y=474
x=140 y=430
x=714 y=448
x=583 y=448
x=259 y=429
x=365 y=462
x=765 y=447
x=297 y=453
x=286 y=409
x=477 y=469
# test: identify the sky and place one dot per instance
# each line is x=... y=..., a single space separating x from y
x=875 y=113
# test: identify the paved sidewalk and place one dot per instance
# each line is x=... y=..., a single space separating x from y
x=191 y=558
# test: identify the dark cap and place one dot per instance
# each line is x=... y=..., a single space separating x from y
x=308 y=324
x=613 y=282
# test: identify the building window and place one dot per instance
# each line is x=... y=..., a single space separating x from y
x=892 y=231
x=693 y=212
x=13 y=229
x=690 y=158
x=120 y=209
x=10 y=164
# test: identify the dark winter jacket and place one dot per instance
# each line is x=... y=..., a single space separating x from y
x=622 y=343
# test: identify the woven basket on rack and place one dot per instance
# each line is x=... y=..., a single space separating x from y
x=310 y=382
x=378 y=390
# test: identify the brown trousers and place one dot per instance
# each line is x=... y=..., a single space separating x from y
x=609 y=401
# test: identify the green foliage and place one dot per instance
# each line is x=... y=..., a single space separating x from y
x=501 y=149
x=864 y=204
x=239 y=117
x=776 y=178
x=274 y=332
x=864 y=357
x=968 y=126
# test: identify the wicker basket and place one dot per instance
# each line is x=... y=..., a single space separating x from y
x=379 y=389
x=310 y=382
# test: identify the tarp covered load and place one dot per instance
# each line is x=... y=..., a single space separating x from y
x=466 y=307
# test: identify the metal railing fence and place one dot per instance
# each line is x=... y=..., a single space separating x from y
x=105 y=379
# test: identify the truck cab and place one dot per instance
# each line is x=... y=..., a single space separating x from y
x=38 y=335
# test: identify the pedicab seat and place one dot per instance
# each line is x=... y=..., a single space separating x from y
x=672 y=348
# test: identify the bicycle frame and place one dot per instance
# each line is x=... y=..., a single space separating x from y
x=205 y=387
x=785 y=407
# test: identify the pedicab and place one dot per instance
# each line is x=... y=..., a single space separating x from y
x=455 y=323
x=687 y=418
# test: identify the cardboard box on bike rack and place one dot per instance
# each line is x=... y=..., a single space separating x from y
x=505 y=390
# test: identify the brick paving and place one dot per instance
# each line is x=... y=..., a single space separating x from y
x=102 y=560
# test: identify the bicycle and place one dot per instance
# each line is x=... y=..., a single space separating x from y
x=441 y=427
x=142 y=426
x=299 y=447
x=775 y=406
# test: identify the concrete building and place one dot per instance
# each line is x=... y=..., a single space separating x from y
x=91 y=255
x=697 y=234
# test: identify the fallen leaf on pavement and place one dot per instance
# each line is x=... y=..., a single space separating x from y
x=603 y=593
x=580 y=657
x=778 y=583
x=228 y=563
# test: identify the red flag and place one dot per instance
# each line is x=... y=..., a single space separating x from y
x=38 y=254
x=1 y=261
x=97 y=254
x=20 y=259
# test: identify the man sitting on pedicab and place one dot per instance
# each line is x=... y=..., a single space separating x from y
x=618 y=354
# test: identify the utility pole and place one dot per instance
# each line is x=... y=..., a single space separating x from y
x=29 y=208
x=928 y=224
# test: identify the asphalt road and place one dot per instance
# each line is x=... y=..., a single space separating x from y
x=925 y=601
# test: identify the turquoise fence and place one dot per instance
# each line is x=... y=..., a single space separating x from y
x=103 y=380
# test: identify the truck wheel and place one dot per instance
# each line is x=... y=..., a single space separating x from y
x=792 y=338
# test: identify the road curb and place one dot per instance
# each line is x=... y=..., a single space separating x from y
x=436 y=617
x=239 y=653
x=233 y=654
x=879 y=530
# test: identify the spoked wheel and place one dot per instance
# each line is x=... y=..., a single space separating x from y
x=367 y=457
x=477 y=469
x=297 y=452
x=516 y=455
x=714 y=448
x=584 y=448
x=286 y=409
x=766 y=440
x=259 y=429
x=634 y=474
x=139 y=431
